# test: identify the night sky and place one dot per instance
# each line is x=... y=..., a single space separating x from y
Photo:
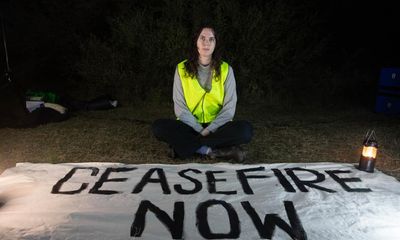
x=371 y=26
x=45 y=39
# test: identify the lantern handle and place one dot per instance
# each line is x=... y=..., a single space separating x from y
x=370 y=135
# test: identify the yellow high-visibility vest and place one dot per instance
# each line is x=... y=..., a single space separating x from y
x=204 y=105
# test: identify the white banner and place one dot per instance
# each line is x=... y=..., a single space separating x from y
x=198 y=201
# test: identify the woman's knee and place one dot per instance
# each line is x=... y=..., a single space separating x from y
x=246 y=130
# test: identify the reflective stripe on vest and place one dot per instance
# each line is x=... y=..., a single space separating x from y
x=204 y=105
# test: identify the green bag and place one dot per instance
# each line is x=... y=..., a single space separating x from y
x=42 y=96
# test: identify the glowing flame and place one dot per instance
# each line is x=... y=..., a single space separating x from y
x=369 y=152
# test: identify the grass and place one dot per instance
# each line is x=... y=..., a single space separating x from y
x=280 y=135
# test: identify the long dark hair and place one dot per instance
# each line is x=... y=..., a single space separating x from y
x=192 y=62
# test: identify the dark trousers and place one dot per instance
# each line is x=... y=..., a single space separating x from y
x=185 y=140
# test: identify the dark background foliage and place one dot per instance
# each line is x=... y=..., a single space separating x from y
x=282 y=52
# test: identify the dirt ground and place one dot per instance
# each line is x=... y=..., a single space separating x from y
x=280 y=135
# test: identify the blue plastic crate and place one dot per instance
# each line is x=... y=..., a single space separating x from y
x=387 y=104
x=389 y=77
x=388 y=97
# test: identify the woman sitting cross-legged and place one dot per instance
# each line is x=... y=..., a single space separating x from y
x=204 y=95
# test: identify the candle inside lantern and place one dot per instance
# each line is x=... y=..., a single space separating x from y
x=369 y=152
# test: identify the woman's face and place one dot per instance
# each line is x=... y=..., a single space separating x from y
x=206 y=42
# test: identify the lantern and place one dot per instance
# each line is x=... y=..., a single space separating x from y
x=368 y=155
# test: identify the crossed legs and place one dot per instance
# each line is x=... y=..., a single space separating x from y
x=185 y=141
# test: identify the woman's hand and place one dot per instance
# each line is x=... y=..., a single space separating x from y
x=205 y=132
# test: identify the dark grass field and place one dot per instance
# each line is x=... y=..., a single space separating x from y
x=280 y=135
